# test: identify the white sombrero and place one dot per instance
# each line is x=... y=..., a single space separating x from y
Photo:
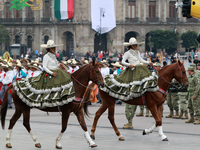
x=116 y=64
x=18 y=64
x=50 y=44
x=8 y=66
x=34 y=66
x=132 y=41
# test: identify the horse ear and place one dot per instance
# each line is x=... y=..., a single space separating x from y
x=182 y=62
x=93 y=60
x=179 y=62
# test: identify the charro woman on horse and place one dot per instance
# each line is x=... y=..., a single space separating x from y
x=52 y=87
x=135 y=79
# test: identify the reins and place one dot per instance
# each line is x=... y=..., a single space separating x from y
x=168 y=83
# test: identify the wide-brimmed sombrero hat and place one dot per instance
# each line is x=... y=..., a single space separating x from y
x=34 y=66
x=24 y=59
x=8 y=66
x=65 y=65
x=72 y=62
x=50 y=44
x=105 y=62
x=18 y=64
x=132 y=41
x=116 y=64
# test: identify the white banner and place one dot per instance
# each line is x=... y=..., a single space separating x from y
x=106 y=8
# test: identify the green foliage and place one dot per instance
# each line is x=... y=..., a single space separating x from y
x=4 y=34
x=189 y=39
x=163 y=39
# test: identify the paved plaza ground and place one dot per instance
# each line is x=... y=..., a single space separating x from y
x=181 y=135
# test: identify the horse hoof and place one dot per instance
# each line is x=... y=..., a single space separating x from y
x=8 y=145
x=58 y=147
x=166 y=139
x=143 y=133
x=94 y=145
x=121 y=138
x=38 y=145
x=92 y=136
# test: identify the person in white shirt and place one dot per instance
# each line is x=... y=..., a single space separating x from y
x=35 y=70
x=26 y=69
x=73 y=66
x=6 y=81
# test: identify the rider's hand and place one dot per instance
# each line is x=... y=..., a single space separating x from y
x=151 y=64
x=131 y=66
x=54 y=74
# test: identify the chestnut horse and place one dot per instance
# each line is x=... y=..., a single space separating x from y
x=154 y=100
x=80 y=81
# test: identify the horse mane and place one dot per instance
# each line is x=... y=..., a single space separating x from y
x=165 y=68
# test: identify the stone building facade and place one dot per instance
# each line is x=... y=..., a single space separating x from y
x=134 y=18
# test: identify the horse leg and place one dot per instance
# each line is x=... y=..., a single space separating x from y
x=13 y=120
x=65 y=117
x=80 y=117
x=160 y=131
x=155 y=114
x=26 y=123
x=98 y=114
x=112 y=120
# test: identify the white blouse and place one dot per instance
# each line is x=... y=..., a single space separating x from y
x=133 y=57
x=50 y=63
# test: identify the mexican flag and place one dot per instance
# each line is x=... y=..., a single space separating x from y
x=64 y=9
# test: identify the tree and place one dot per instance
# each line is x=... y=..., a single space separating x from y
x=164 y=39
x=4 y=34
x=150 y=43
x=189 y=40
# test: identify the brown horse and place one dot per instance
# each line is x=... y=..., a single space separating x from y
x=154 y=100
x=80 y=81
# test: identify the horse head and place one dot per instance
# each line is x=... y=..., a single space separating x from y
x=95 y=74
x=180 y=75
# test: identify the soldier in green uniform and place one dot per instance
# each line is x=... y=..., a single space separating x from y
x=183 y=105
x=129 y=112
x=142 y=111
x=172 y=100
x=194 y=90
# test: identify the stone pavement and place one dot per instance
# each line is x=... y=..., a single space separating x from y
x=181 y=135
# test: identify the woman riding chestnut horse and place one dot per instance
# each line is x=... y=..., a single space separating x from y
x=138 y=86
x=52 y=91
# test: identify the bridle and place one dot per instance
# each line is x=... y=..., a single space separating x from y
x=91 y=77
x=179 y=70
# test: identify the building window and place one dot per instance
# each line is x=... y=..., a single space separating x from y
x=46 y=38
x=29 y=12
x=131 y=9
x=17 y=13
x=152 y=11
x=47 y=10
x=7 y=10
x=17 y=39
x=172 y=9
x=29 y=42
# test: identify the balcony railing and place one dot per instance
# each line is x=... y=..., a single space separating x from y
x=192 y=20
x=136 y=20
x=10 y=20
x=29 y=19
x=45 y=20
x=172 y=20
x=66 y=20
x=153 y=19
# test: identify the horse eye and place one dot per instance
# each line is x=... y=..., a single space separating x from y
x=97 y=71
x=183 y=72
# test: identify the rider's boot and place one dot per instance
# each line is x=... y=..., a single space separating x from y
x=185 y=116
x=176 y=116
x=181 y=115
x=191 y=120
x=129 y=125
x=170 y=115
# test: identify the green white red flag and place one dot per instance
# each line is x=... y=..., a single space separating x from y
x=64 y=9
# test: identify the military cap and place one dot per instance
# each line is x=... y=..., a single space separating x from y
x=193 y=65
x=190 y=68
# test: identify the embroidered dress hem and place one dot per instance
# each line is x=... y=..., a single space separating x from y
x=131 y=83
x=45 y=90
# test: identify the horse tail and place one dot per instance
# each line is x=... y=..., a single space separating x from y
x=4 y=106
x=86 y=99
